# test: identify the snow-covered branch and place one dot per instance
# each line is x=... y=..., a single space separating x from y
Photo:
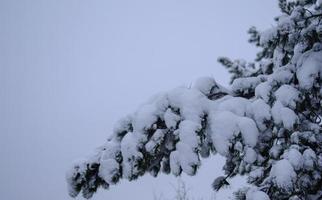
x=267 y=125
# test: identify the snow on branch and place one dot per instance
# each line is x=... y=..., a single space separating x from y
x=266 y=125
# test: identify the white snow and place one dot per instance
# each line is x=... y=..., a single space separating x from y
x=263 y=90
x=268 y=36
x=281 y=75
x=108 y=168
x=241 y=84
x=278 y=56
x=183 y=158
x=236 y=105
x=191 y=102
x=287 y=95
x=250 y=155
x=71 y=174
x=171 y=119
x=284 y=115
x=175 y=163
x=285 y=24
x=282 y=174
x=255 y=194
x=309 y=68
x=296 y=14
x=205 y=85
x=289 y=118
x=130 y=154
x=188 y=133
x=225 y=125
x=256 y=173
x=155 y=140
x=249 y=131
x=121 y=125
x=187 y=158
x=260 y=112
x=294 y=157
x=309 y=158
x=145 y=117
x=275 y=151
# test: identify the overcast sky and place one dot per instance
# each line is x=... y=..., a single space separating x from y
x=69 y=69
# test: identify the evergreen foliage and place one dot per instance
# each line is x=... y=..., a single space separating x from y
x=267 y=125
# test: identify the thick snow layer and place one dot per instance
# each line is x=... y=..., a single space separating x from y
x=250 y=155
x=263 y=90
x=287 y=95
x=243 y=84
x=276 y=151
x=184 y=158
x=260 y=112
x=278 y=56
x=155 y=140
x=298 y=51
x=281 y=75
x=171 y=119
x=283 y=175
x=268 y=36
x=188 y=133
x=130 y=154
x=144 y=117
x=256 y=173
x=191 y=103
x=175 y=163
x=236 y=105
x=205 y=85
x=309 y=68
x=294 y=157
x=183 y=109
x=188 y=158
x=208 y=86
x=108 y=169
x=120 y=126
x=110 y=150
x=285 y=24
x=226 y=125
x=289 y=118
x=309 y=158
x=284 y=115
x=255 y=194
x=248 y=130
x=276 y=112
x=77 y=167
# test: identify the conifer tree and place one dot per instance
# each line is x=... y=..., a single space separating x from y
x=267 y=124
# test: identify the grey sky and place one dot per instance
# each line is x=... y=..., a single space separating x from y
x=69 y=69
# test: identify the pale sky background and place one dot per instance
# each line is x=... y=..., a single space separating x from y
x=69 y=69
